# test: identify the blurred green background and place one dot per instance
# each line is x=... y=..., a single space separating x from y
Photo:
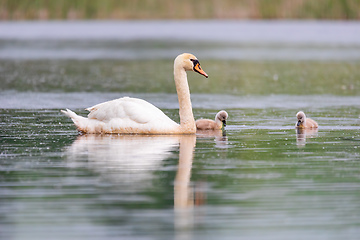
x=184 y=9
x=226 y=77
x=337 y=72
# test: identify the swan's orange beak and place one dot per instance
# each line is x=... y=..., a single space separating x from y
x=198 y=69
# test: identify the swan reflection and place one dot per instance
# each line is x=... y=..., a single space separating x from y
x=125 y=159
x=302 y=134
x=183 y=193
x=131 y=160
x=183 y=198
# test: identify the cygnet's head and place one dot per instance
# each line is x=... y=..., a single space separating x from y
x=222 y=116
x=190 y=63
x=301 y=117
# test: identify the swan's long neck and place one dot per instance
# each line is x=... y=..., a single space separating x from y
x=187 y=122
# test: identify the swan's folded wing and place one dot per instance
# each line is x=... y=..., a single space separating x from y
x=141 y=111
x=133 y=109
x=107 y=110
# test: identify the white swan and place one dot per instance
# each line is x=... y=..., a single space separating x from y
x=132 y=115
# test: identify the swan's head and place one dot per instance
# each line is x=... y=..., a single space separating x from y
x=301 y=118
x=190 y=63
x=222 y=116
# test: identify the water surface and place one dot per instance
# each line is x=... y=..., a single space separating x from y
x=259 y=178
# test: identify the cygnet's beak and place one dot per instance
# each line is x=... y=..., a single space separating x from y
x=298 y=123
x=198 y=69
x=224 y=122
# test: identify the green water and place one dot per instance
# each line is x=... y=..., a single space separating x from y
x=258 y=179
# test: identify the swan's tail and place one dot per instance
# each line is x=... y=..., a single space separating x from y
x=70 y=114
x=80 y=122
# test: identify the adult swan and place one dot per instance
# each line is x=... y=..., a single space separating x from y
x=136 y=116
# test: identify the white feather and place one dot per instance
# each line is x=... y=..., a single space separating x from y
x=123 y=115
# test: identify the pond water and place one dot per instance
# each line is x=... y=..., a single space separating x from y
x=258 y=179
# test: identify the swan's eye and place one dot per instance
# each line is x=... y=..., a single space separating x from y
x=195 y=61
x=196 y=64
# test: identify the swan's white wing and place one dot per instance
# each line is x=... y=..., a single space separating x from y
x=133 y=109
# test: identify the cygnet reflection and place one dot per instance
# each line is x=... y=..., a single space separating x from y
x=220 y=138
x=302 y=134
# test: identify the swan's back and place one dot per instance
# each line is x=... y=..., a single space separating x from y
x=135 y=109
x=125 y=115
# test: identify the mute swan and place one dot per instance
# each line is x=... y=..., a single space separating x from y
x=133 y=115
x=304 y=122
x=207 y=124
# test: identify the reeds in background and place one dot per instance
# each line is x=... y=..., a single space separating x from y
x=175 y=9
